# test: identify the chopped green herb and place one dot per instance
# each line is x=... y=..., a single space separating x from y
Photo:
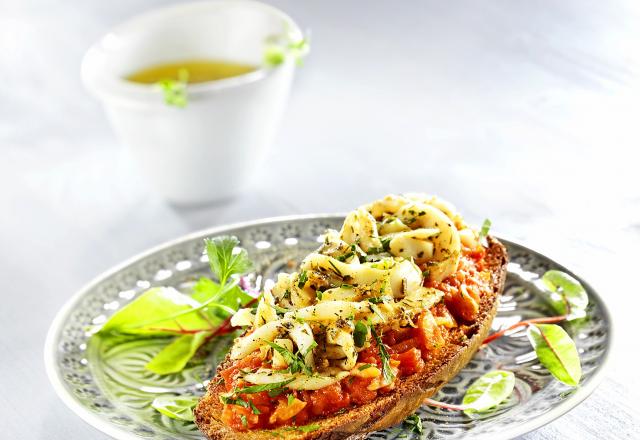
x=319 y=295
x=345 y=257
x=335 y=269
x=228 y=400
x=290 y=399
x=364 y=367
x=278 y=309
x=243 y=418
x=302 y=279
x=360 y=334
x=259 y=388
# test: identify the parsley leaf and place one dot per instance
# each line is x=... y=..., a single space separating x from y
x=223 y=260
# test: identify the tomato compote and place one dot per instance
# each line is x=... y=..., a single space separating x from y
x=410 y=350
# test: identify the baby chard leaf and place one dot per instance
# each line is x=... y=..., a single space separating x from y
x=488 y=391
x=566 y=294
x=176 y=407
x=174 y=357
x=557 y=352
x=158 y=311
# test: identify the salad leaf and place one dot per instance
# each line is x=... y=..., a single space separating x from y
x=176 y=407
x=488 y=391
x=413 y=423
x=174 y=357
x=566 y=294
x=557 y=352
x=223 y=260
x=158 y=311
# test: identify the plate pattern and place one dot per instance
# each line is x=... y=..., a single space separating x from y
x=107 y=380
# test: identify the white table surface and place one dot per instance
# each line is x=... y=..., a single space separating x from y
x=525 y=112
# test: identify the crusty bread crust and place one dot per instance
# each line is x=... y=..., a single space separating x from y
x=389 y=409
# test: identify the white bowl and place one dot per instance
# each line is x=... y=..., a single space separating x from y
x=208 y=150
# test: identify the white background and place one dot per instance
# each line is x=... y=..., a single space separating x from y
x=526 y=112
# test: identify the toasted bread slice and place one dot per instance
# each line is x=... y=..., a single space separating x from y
x=386 y=410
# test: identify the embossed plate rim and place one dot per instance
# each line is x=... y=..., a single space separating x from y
x=53 y=335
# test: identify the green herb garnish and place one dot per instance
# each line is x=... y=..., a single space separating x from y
x=175 y=91
x=360 y=334
x=484 y=230
x=254 y=409
x=413 y=423
x=259 y=388
x=302 y=279
x=303 y=428
x=387 y=372
x=295 y=361
x=278 y=50
x=224 y=259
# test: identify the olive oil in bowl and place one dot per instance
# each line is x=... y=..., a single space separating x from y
x=198 y=71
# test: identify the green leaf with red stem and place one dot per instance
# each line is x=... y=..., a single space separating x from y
x=565 y=294
x=557 y=352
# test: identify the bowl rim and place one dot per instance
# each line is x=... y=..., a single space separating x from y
x=109 y=87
